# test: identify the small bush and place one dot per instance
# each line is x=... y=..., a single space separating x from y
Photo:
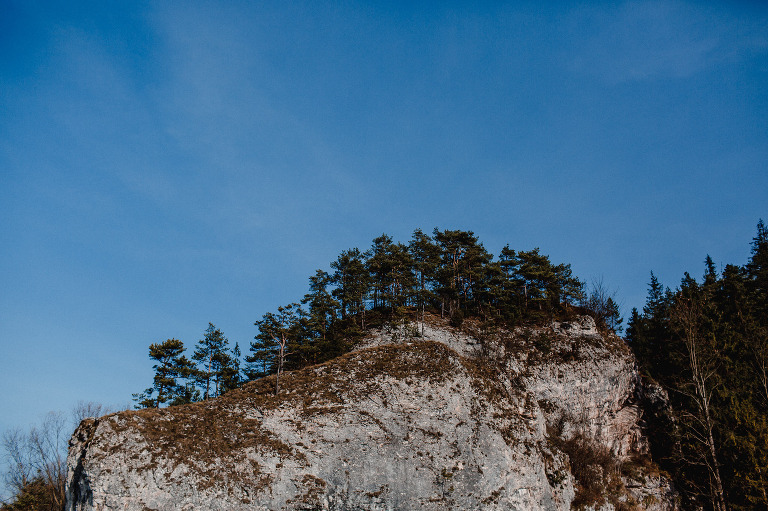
x=593 y=467
x=457 y=318
x=36 y=495
x=543 y=343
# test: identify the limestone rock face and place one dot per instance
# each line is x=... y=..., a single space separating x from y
x=444 y=419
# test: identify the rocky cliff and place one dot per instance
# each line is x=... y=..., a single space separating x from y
x=417 y=417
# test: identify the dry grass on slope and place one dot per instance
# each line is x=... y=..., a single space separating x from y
x=214 y=438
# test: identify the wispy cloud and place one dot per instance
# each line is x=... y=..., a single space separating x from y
x=649 y=39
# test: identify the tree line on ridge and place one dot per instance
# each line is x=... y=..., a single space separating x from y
x=448 y=273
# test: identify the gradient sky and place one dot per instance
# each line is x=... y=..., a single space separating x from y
x=168 y=164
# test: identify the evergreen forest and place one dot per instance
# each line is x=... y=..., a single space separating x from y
x=706 y=344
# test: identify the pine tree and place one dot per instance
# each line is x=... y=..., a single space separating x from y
x=633 y=334
x=566 y=288
x=710 y=273
x=425 y=255
x=320 y=318
x=391 y=272
x=210 y=354
x=474 y=281
x=657 y=335
x=230 y=374
x=186 y=393
x=452 y=247
x=493 y=297
x=613 y=317
x=538 y=278
x=757 y=271
x=513 y=287
x=398 y=279
x=460 y=272
x=379 y=267
x=280 y=329
x=171 y=365
x=322 y=306
x=261 y=361
x=352 y=282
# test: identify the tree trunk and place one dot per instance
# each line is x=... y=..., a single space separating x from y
x=362 y=312
x=159 y=395
x=280 y=358
x=720 y=494
x=208 y=379
x=762 y=487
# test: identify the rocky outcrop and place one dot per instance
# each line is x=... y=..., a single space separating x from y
x=417 y=417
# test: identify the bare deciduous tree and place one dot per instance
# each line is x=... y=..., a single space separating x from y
x=36 y=459
x=761 y=362
x=19 y=461
x=85 y=409
x=39 y=457
x=603 y=303
x=699 y=386
x=49 y=446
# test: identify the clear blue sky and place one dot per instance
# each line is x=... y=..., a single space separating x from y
x=168 y=164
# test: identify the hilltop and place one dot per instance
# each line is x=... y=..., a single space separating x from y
x=476 y=417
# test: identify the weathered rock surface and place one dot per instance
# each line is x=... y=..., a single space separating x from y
x=452 y=419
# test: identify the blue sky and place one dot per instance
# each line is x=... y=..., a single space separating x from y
x=165 y=165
